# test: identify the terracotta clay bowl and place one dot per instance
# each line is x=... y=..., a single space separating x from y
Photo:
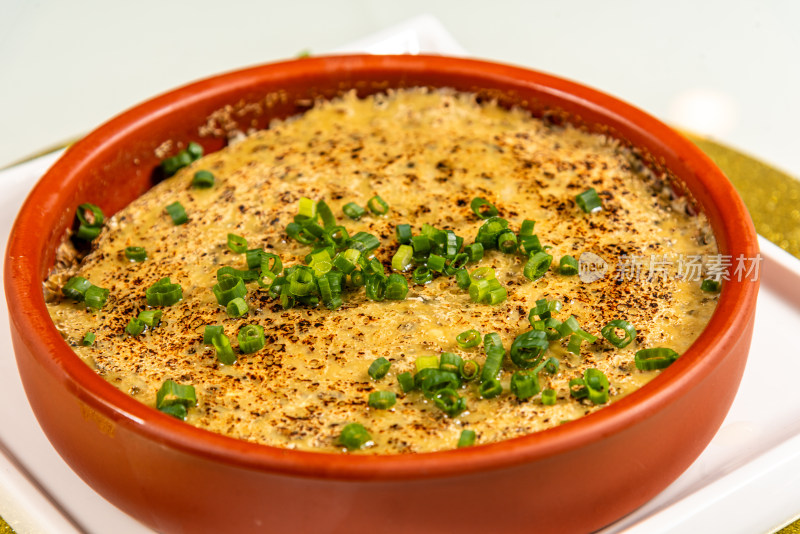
x=177 y=478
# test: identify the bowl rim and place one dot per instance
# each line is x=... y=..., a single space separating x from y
x=29 y=316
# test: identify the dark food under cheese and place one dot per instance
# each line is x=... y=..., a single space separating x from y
x=427 y=154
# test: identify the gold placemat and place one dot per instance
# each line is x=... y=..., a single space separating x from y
x=771 y=196
x=4 y=528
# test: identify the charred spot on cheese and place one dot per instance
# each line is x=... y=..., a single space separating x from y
x=427 y=154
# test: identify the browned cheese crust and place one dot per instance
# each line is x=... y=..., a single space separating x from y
x=428 y=154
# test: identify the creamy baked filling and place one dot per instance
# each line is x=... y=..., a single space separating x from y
x=427 y=154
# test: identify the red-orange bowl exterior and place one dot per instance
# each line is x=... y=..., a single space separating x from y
x=177 y=478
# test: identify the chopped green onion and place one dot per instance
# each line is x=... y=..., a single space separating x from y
x=588 y=200
x=326 y=214
x=237 y=308
x=466 y=438
x=237 y=244
x=95 y=297
x=469 y=370
x=462 y=279
x=436 y=263
x=474 y=252
x=88 y=233
x=578 y=389
x=468 y=339
x=89 y=228
x=301 y=234
x=530 y=244
x=596 y=385
x=457 y=263
x=482 y=273
x=379 y=368
x=524 y=385
x=537 y=265
x=657 y=358
x=253 y=258
x=495 y=352
x=574 y=344
x=375 y=287
x=489 y=231
x=163 y=293
x=210 y=332
x=88 y=339
x=268 y=263
x=712 y=286
x=229 y=288
x=403 y=259
x=353 y=210
x=550 y=327
x=346 y=261
x=172 y=393
x=568 y=266
x=487 y=291
x=403 y=233
x=194 y=150
x=507 y=242
x=382 y=400
x=569 y=326
x=76 y=287
x=96 y=219
x=609 y=332
x=152 y=318
x=406 y=381
x=177 y=213
x=251 y=338
x=422 y=275
x=549 y=397
x=307 y=208
x=378 y=206
x=175 y=163
x=527 y=227
x=421 y=245
x=528 y=348
x=450 y=402
x=544 y=308
x=135 y=327
x=230 y=272
x=222 y=345
x=396 y=287
x=436 y=380
x=426 y=362
x=178 y=411
x=354 y=436
x=483 y=208
x=321 y=262
x=203 y=179
x=450 y=361
x=338 y=235
x=358 y=279
x=497 y=295
x=452 y=244
x=364 y=242
x=551 y=365
x=135 y=253
x=490 y=389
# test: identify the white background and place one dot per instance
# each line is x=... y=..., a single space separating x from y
x=725 y=68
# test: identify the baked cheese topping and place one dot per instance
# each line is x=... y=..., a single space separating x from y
x=427 y=154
